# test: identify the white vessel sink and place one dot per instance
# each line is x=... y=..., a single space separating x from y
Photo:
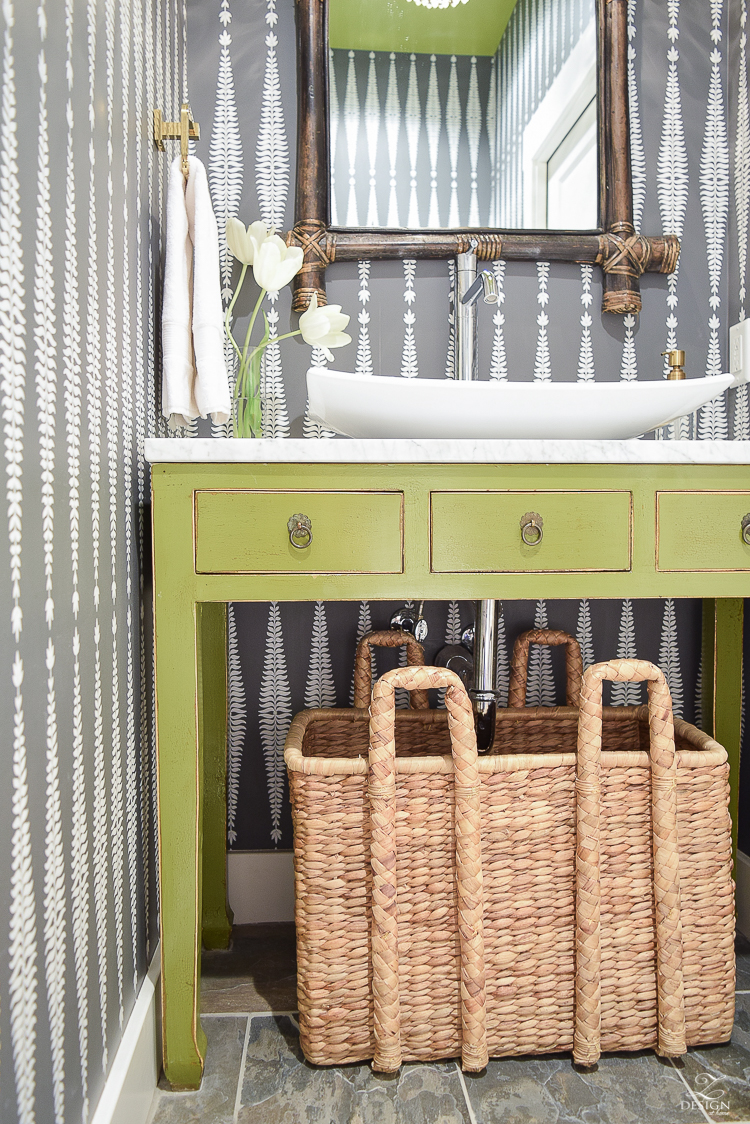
x=383 y=406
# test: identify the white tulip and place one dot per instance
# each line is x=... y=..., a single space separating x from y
x=275 y=263
x=244 y=243
x=324 y=327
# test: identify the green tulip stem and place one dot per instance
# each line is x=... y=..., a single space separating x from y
x=236 y=294
x=251 y=325
x=230 y=308
x=263 y=346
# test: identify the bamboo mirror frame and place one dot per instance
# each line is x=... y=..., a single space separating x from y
x=621 y=253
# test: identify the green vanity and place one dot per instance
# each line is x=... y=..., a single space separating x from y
x=403 y=519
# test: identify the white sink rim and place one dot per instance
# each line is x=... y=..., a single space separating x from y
x=386 y=406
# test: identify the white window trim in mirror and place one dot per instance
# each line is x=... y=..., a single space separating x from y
x=567 y=99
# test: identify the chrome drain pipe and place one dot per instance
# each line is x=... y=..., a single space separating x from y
x=483 y=695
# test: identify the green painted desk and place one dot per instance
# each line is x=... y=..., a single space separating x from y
x=391 y=520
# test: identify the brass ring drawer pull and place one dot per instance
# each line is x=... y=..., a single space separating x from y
x=300 y=531
x=746 y=528
x=532 y=531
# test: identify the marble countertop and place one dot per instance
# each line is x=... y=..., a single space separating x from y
x=347 y=451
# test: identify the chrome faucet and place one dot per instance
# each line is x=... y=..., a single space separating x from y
x=469 y=287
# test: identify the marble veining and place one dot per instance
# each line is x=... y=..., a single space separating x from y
x=349 y=451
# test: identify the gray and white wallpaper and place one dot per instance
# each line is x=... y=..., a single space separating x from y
x=538 y=41
x=81 y=194
x=81 y=208
x=420 y=140
x=412 y=139
x=691 y=172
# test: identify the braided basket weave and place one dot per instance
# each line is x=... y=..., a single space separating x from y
x=516 y=903
x=363 y=665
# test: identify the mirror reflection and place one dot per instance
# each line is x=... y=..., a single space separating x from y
x=450 y=114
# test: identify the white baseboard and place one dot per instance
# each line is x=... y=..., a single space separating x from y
x=742 y=880
x=131 y=1082
x=260 y=886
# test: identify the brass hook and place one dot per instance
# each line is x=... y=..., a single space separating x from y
x=186 y=129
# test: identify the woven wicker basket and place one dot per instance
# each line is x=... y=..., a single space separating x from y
x=519 y=664
x=440 y=906
x=363 y=665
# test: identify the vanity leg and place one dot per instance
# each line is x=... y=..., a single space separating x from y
x=212 y=724
x=179 y=794
x=722 y=686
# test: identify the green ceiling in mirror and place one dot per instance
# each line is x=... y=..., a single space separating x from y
x=474 y=28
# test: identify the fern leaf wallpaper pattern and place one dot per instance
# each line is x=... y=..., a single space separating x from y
x=82 y=193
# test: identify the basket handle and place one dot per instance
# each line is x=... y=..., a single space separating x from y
x=519 y=666
x=392 y=638
x=669 y=982
x=382 y=795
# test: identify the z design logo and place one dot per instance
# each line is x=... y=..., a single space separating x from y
x=710 y=1094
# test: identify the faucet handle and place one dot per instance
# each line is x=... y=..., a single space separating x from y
x=485 y=281
x=490 y=287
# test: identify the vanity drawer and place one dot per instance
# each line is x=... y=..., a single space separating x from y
x=480 y=532
x=702 y=531
x=246 y=532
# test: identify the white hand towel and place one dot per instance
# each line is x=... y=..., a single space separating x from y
x=194 y=379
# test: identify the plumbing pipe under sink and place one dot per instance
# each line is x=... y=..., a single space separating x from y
x=469 y=287
x=482 y=693
x=478 y=672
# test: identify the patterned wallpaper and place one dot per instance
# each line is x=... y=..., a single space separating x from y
x=687 y=103
x=81 y=194
x=538 y=41
x=412 y=139
x=438 y=140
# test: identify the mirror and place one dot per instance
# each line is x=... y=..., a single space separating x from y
x=400 y=159
x=479 y=114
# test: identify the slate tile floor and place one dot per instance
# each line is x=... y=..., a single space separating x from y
x=255 y=1072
